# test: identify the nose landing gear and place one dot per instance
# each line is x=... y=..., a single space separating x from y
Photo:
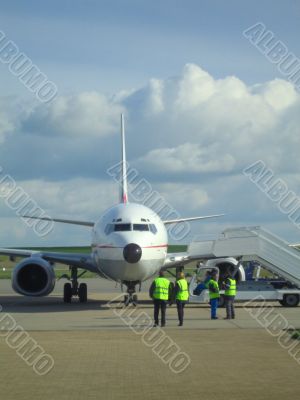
x=131 y=296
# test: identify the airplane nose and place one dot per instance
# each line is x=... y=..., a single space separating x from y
x=132 y=253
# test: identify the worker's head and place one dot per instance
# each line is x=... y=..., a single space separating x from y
x=214 y=274
x=181 y=275
x=161 y=274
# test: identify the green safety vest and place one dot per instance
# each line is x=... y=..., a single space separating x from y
x=231 y=291
x=213 y=294
x=161 y=291
x=183 y=292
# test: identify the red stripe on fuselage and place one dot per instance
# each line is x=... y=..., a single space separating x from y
x=104 y=246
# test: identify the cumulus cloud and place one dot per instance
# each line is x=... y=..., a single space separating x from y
x=188 y=157
x=83 y=199
x=179 y=195
x=85 y=114
x=8 y=120
x=190 y=135
x=219 y=125
x=194 y=88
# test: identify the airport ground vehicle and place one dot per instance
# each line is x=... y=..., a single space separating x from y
x=248 y=288
x=237 y=246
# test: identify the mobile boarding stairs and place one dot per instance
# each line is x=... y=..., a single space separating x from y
x=255 y=244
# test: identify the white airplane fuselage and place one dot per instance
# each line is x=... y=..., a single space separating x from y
x=129 y=243
x=129 y=246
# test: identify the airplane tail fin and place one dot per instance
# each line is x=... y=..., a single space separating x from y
x=124 y=193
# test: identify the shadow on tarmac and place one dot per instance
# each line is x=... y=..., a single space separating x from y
x=53 y=304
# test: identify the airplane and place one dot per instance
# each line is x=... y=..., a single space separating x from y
x=129 y=245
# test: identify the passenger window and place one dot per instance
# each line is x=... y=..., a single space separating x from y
x=140 y=227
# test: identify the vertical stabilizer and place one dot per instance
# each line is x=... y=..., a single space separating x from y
x=124 y=195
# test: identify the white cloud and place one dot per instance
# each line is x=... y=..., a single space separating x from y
x=221 y=124
x=278 y=93
x=8 y=120
x=82 y=199
x=195 y=87
x=74 y=197
x=190 y=136
x=85 y=114
x=184 y=198
x=188 y=157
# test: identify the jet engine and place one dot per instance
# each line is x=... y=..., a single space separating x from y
x=33 y=276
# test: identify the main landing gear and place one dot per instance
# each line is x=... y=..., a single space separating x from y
x=131 y=296
x=72 y=289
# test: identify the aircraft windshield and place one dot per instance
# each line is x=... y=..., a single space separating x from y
x=140 y=227
x=122 y=227
x=153 y=228
x=129 y=227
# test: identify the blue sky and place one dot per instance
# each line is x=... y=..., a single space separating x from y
x=193 y=90
x=112 y=45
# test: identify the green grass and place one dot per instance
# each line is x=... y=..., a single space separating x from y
x=78 y=249
x=61 y=269
x=176 y=248
x=296 y=334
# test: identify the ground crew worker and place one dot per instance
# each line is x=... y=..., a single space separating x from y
x=213 y=287
x=202 y=285
x=160 y=293
x=229 y=296
x=182 y=296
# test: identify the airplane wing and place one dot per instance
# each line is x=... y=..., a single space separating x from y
x=90 y=223
x=295 y=245
x=175 y=221
x=65 y=221
x=80 y=260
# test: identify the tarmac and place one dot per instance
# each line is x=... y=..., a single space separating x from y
x=100 y=350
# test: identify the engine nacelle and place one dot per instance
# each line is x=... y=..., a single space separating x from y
x=33 y=276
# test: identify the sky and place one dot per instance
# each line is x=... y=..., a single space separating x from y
x=201 y=101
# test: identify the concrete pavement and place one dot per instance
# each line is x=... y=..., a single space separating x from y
x=97 y=355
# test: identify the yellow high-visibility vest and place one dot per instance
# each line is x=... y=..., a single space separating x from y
x=213 y=288
x=161 y=291
x=231 y=291
x=183 y=293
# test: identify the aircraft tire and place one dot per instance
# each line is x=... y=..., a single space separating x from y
x=67 y=293
x=82 y=293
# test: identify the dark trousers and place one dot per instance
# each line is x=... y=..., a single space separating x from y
x=160 y=305
x=229 y=304
x=180 y=310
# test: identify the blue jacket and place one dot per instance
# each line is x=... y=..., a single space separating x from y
x=201 y=286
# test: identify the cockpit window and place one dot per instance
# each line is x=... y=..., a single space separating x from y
x=153 y=228
x=140 y=227
x=109 y=229
x=129 y=227
x=122 y=227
